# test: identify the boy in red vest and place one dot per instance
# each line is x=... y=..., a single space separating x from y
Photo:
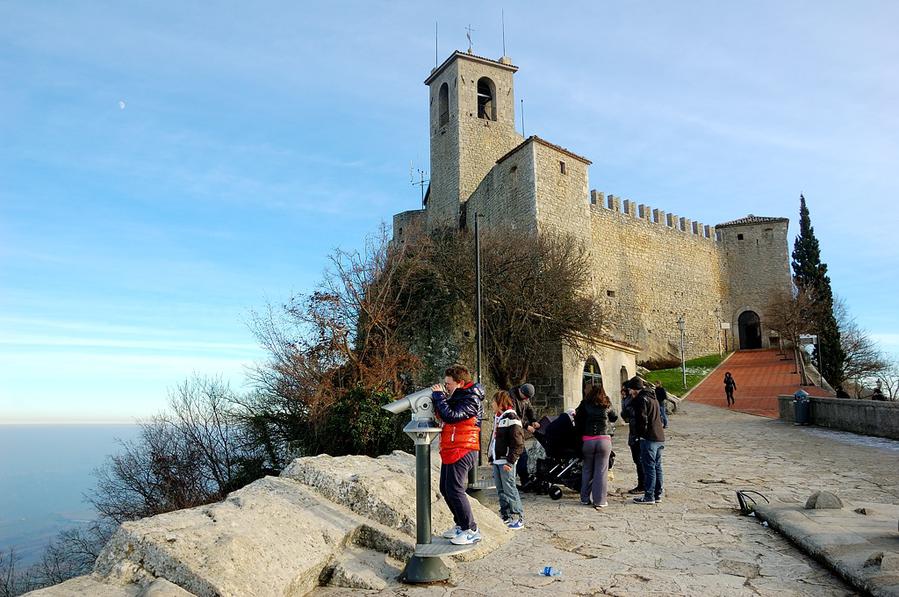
x=459 y=407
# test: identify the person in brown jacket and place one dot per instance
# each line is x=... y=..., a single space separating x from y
x=647 y=423
x=506 y=447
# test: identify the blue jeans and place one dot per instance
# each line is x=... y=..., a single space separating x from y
x=509 y=499
x=651 y=457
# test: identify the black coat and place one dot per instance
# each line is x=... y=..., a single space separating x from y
x=647 y=421
x=592 y=419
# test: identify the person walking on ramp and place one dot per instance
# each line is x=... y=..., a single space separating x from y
x=459 y=407
x=729 y=386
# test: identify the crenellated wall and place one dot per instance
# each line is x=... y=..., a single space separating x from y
x=651 y=267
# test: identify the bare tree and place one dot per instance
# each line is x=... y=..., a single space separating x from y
x=9 y=579
x=187 y=456
x=321 y=346
x=889 y=380
x=790 y=314
x=864 y=359
x=71 y=553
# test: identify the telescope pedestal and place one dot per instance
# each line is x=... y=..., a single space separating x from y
x=425 y=565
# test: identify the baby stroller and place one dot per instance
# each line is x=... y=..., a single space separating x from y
x=563 y=462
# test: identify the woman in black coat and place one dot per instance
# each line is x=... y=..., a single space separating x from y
x=592 y=418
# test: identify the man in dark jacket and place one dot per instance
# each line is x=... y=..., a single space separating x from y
x=662 y=396
x=633 y=440
x=521 y=399
x=647 y=425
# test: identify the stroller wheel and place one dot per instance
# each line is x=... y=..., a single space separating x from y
x=555 y=492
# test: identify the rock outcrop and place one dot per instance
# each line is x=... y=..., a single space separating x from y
x=347 y=521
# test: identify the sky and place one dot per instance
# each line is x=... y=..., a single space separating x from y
x=167 y=168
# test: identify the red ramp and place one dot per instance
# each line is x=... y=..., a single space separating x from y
x=761 y=376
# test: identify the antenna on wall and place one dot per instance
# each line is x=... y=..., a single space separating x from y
x=522 y=119
x=421 y=182
x=503 y=17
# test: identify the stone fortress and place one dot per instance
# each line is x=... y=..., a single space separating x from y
x=651 y=267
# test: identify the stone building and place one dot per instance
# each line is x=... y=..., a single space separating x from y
x=651 y=267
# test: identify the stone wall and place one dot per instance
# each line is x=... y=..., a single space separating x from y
x=506 y=197
x=757 y=268
x=651 y=268
x=867 y=417
x=407 y=224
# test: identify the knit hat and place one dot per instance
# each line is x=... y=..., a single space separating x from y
x=526 y=391
x=634 y=383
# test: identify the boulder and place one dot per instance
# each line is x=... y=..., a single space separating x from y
x=347 y=522
x=383 y=489
x=823 y=500
x=273 y=537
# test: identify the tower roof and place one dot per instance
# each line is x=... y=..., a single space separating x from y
x=751 y=219
x=503 y=62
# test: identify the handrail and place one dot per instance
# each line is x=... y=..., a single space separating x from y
x=800 y=366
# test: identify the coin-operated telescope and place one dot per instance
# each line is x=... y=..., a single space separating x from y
x=425 y=564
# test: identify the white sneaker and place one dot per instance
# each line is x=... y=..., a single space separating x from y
x=466 y=537
x=453 y=532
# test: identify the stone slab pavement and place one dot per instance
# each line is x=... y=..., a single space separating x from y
x=695 y=542
x=859 y=541
x=761 y=376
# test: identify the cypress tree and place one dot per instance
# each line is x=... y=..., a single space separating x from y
x=810 y=275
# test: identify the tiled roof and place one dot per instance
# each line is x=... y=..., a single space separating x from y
x=545 y=143
x=466 y=55
x=751 y=219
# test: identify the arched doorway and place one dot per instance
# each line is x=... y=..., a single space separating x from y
x=592 y=374
x=750 y=330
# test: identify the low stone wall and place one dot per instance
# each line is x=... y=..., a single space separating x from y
x=867 y=417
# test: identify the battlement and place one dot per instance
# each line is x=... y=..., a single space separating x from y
x=649 y=215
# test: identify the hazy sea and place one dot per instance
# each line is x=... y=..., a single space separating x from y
x=45 y=470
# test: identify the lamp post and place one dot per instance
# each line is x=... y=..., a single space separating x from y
x=683 y=363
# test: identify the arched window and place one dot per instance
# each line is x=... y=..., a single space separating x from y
x=443 y=104
x=592 y=374
x=486 y=99
x=624 y=375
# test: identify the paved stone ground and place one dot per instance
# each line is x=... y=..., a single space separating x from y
x=695 y=543
x=761 y=376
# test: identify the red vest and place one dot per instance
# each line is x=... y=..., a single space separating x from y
x=458 y=439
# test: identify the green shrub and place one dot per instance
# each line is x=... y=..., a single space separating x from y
x=356 y=424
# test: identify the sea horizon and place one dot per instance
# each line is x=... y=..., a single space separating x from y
x=46 y=470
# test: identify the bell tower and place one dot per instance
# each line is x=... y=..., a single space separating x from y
x=472 y=124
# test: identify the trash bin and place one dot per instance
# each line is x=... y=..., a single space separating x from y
x=801 y=408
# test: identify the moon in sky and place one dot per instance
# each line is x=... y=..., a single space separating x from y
x=121 y=104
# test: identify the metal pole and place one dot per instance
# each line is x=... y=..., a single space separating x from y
x=477 y=269
x=422 y=493
x=683 y=362
x=472 y=477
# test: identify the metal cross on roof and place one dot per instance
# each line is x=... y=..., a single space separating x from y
x=468 y=35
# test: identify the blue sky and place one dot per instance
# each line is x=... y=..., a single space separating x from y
x=167 y=167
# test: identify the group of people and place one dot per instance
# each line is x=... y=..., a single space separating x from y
x=458 y=405
x=457 y=402
x=644 y=410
